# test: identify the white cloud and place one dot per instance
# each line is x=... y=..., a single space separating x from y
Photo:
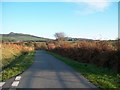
x=92 y=6
x=98 y=5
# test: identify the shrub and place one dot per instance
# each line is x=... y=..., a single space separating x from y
x=100 y=53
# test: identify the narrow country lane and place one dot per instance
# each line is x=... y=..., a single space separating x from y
x=49 y=72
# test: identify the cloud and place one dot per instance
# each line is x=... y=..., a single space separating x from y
x=97 y=5
x=92 y=6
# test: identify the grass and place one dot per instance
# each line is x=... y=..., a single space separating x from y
x=18 y=66
x=9 y=52
x=21 y=37
x=101 y=77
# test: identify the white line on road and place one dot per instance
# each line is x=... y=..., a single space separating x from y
x=18 y=78
x=1 y=84
x=15 y=83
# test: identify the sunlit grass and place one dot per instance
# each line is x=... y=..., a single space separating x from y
x=18 y=66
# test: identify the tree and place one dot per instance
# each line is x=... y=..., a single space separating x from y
x=60 y=36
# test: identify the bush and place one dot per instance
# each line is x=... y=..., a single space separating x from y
x=100 y=53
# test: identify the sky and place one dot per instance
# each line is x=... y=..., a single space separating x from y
x=80 y=19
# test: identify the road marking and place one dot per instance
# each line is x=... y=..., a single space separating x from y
x=18 y=78
x=1 y=84
x=15 y=83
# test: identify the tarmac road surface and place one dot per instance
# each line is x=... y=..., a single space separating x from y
x=49 y=72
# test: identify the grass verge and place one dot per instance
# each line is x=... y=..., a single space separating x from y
x=20 y=65
x=101 y=77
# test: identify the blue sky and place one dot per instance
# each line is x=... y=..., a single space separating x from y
x=75 y=19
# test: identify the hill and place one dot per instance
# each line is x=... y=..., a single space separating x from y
x=15 y=37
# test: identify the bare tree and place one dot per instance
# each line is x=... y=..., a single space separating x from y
x=60 y=36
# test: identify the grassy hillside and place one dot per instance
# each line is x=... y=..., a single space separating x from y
x=21 y=37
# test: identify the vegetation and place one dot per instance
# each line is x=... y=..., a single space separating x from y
x=9 y=52
x=99 y=53
x=15 y=58
x=15 y=37
x=40 y=45
x=96 y=60
x=18 y=66
x=60 y=36
x=101 y=77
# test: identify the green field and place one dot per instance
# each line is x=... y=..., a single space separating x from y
x=21 y=37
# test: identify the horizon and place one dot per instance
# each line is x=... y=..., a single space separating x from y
x=54 y=36
x=75 y=19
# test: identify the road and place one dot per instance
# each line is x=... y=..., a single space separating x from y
x=49 y=72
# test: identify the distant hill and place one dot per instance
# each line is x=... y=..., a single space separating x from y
x=21 y=37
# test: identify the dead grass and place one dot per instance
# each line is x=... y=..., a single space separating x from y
x=10 y=51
